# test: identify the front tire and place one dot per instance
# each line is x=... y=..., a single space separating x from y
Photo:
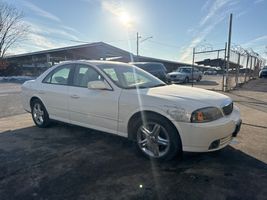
x=39 y=114
x=156 y=138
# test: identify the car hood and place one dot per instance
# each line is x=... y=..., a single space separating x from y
x=190 y=95
x=176 y=73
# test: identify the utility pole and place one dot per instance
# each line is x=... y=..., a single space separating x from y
x=137 y=43
x=138 y=37
x=229 y=51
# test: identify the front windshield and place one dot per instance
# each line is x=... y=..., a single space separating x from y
x=184 y=70
x=128 y=77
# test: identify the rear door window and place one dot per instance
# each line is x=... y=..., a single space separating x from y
x=59 y=76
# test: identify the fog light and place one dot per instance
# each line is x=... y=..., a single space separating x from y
x=215 y=144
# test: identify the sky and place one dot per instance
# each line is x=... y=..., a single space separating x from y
x=176 y=26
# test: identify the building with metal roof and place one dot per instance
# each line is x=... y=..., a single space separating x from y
x=91 y=51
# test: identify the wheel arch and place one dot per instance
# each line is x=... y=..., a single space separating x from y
x=46 y=119
x=36 y=98
x=131 y=122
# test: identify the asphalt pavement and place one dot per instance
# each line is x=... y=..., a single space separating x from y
x=10 y=99
x=70 y=162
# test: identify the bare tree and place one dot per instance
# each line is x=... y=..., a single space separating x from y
x=12 y=27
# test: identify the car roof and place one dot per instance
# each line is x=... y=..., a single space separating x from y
x=95 y=62
x=184 y=67
x=145 y=63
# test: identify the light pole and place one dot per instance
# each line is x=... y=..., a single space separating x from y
x=138 y=37
x=137 y=43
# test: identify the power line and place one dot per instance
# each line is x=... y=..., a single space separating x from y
x=164 y=44
x=138 y=37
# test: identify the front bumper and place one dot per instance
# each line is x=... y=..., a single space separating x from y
x=176 y=79
x=211 y=136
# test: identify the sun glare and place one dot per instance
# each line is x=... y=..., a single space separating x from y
x=125 y=19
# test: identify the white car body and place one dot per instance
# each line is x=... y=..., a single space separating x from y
x=184 y=74
x=111 y=110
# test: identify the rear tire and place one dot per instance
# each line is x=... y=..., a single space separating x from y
x=161 y=145
x=39 y=114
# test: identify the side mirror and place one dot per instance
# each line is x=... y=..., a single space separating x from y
x=98 y=85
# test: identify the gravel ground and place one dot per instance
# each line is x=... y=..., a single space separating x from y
x=69 y=162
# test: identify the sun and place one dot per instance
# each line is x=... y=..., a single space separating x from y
x=125 y=19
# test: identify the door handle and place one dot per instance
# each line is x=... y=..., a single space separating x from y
x=74 y=96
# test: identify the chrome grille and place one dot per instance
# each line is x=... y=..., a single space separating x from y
x=228 y=109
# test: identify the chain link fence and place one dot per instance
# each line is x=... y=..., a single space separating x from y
x=244 y=65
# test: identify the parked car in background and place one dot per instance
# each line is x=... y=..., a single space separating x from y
x=245 y=71
x=210 y=72
x=154 y=68
x=118 y=98
x=263 y=72
x=184 y=75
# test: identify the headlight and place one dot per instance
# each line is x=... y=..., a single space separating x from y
x=177 y=113
x=207 y=114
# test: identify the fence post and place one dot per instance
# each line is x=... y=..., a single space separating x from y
x=255 y=66
x=246 y=69
x=237 y=70
x=224 y=67
x=228 y=52
x=250 y=68
x=193 y=62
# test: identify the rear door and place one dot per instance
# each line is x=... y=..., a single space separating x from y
x=54 y=92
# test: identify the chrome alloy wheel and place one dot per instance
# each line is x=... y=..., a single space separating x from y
x=153 y=140
x=38 y=113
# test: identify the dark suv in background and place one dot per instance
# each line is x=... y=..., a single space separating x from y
x=263 y=72
x=154 y=68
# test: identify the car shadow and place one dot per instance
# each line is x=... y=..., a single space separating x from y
x=70 y=162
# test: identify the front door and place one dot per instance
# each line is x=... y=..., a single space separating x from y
x=97 y=109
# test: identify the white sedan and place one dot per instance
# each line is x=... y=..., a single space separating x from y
x=163 y=120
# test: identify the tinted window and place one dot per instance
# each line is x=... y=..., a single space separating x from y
x=151 y=66
x=59 y=76
x=159 y=67
x=84 y=74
